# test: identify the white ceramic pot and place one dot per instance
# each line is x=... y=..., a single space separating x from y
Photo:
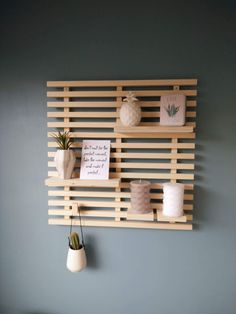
x=65 y=162
x=76 y=260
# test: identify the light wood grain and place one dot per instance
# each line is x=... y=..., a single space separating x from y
x=90 y=110
x=113 y=94
x=108 y=104
x=107 y=194
x=119 y=144
x=99 y=115
x=123 y=224
x=141 y=165
x=153 y=129
x=116 y=83
x=82 y=183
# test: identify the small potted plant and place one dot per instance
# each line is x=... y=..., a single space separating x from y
x=64 y=158
x=76 y=258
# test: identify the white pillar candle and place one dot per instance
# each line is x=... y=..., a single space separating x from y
x=173 y=199
x=140 y=196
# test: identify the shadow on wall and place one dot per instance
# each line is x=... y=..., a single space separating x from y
x=37 y=313
x=92 y=256
x=10 y=310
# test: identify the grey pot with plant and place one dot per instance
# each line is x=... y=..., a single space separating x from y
x=65 y=157
x=76 y=257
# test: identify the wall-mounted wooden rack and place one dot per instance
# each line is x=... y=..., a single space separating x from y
x=90 y=110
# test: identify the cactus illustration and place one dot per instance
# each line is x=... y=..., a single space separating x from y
x=172 y=110
x=74 y=241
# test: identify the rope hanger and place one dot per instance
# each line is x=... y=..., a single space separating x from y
x=75 y=209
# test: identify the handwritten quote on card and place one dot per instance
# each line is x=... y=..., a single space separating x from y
x=95 y=160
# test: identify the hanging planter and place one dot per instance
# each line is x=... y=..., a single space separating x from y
x=130 y=112
x=64 y=158
x=76 y=257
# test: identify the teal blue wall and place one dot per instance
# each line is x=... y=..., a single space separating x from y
x=131 y=271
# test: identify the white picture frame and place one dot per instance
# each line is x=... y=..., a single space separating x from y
x=95 y=160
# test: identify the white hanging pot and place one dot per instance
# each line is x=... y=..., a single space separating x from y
x=65 y=162
x=76 y=260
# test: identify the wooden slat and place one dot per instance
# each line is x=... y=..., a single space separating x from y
x=143 y=155
x=160 y=176
x=118 y=150
x=153 y=155
x=141 y=165
x=108 y=104
x=115 y=83
x=96 y=125
x=104 y=214
x=145 y=127
x=106 y=194
x=111 y=94
x=126 y=185
x=98 y=114
x=82 y=104
x=95 y=114
x=112 y=135
x=134 y=175
x=137 y=145
x=107 y=204
x=152 y=129
x=82 y=183
x=66 y=129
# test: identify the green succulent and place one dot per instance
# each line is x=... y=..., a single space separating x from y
x=172 y=110
x=74 y=241
x=63 y=140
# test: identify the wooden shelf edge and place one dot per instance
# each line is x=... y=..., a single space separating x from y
x=162 y=218
x=54 y=181
x=123 y=224
x=154 y=129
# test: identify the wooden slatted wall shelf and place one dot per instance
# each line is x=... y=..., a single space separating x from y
x=90 y=110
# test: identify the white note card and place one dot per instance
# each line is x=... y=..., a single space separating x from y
x=95 y=159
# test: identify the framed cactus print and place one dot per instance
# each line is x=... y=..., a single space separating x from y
x=172 y=110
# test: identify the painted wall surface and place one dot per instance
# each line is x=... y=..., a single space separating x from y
x=130 y=271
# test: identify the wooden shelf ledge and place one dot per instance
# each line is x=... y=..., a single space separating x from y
x=121 y=224
x=54 y=181
x=154 y=129
x=141 y=217
x=162 y=218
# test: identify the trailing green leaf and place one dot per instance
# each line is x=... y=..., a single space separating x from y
x=74 y=241
x=172 y=110
x=63 y=140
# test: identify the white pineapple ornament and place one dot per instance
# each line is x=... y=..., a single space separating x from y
x=130 y=112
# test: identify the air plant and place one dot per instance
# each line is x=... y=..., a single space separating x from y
x=63 y=140
x=172 y=110
x=74 y=241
